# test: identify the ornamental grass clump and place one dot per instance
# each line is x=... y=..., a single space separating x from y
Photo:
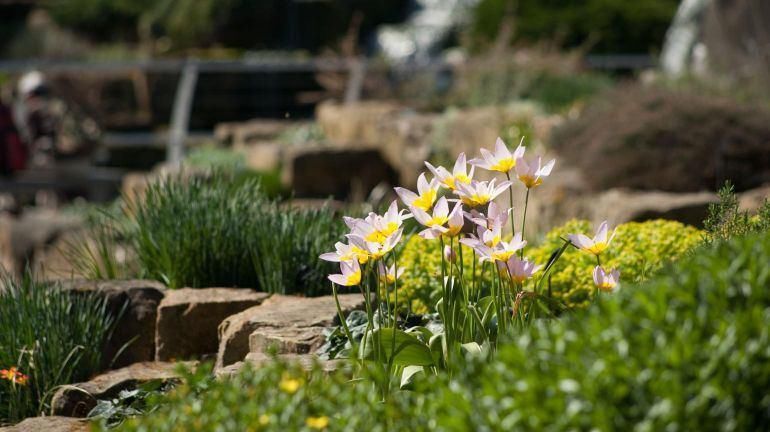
x=213 y=230
x=475 y=312
x=48 y=337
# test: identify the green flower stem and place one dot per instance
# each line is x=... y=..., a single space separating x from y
x=524 y=221
x=510 y=199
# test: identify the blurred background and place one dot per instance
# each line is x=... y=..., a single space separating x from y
x=649 y=106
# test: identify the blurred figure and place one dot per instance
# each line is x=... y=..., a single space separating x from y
x=13 y=153
x=52 y=128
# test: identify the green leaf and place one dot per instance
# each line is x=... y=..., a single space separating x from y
x=408 y=349
x=408 y=375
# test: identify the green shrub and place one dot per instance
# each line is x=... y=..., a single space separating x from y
x=725 y=219
x=638 y=249
x=687 y=350
x=609 y=26
x=421 y=263
x=650 y=138
x=49 y=335
x=213 y=230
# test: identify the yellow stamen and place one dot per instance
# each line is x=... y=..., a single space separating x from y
x=436 y=221
x=504 y=165
x=503 y=255
x=597 y=248
x=354 y=279
x=425 y=201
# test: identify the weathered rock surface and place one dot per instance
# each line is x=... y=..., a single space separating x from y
x=30 y=234
x=188 y=319
x=622 y=205
x=320 y=171
x=49 y=424
x=256 y=360
x=293 y=324
x=135 y=329
x=77 y=400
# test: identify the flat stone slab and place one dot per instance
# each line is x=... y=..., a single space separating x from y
x=77 y=400
x=49 y=424
x=257 y=360
x=188 y=319
x=135 y=330
x=294 y=324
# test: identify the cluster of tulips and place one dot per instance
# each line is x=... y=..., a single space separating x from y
x=467 y=215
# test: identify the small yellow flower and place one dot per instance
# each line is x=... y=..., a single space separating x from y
x=321 y=422
x=289 y=384
x=264 y=420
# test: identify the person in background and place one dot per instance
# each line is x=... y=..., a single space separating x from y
x=13 y=152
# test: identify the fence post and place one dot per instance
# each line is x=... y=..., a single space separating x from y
x=180 y=116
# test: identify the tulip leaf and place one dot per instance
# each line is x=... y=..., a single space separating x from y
x=409 y=374
x=409 y=350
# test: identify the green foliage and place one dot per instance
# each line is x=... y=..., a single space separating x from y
x=129 y=403
x=420 y=286
x=50 y=335
x=638 y=249
x=215 y=229
x=552 y=82
x=219 y=159
x=725 y=219
x=686 y=350
x=612 y=26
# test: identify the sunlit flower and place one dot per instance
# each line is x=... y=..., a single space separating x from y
x=496 y=216
x=456 y=221
x=376 y=250
x=502 y=159
x=606 y=281
x=321 y=422
x=532 y=173
x=388 y=275
x=289 y=384
x=425 y=196
x=491 y=248
x=350 y=274
x=459 y=173
x=346 y=252
x=14 y=375
x=435 y=222
x=479 y=193
x=598 y=244
x=520 y=269
x=489 y=237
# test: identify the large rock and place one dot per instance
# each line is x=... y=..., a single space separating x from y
x=188 y=319
x=77 y=400
x=622 y=205
x=319 y=171
x=36 y=230
x=293 y=325
x=49 y=424
x=135 y=331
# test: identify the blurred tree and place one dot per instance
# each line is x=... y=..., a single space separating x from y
x=246 y=24
x=606 y=26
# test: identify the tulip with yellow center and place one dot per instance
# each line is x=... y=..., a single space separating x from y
x=346 y=252
x=376 y=228
x=596 y=245
x=388 y=275
x=479 y=193
x=532 y=173
x=441 y=222
x=376 y=250
x=519 y=270
x=496 y=216
x=491 y=248
x=459 y=173
x=350 y=274
x=502 y=160
x=606 y=281
x=425 y=196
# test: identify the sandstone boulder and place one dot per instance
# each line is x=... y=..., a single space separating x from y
x=135 y=330
x=78 y=400
x=290 y=324
x=49 y=424
x=321 y=172
x=623 y=205
x=188 y=319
